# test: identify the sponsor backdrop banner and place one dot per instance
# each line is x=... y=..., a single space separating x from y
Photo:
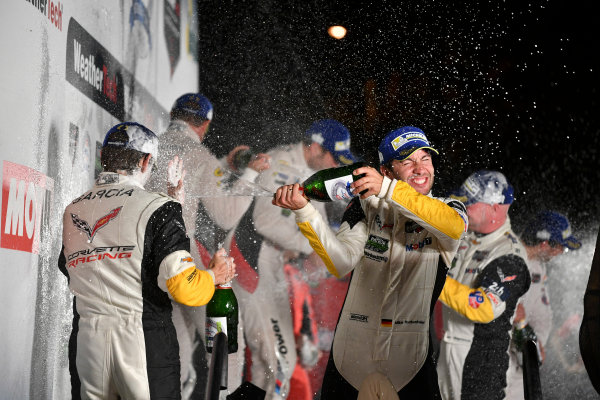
x=71 y=69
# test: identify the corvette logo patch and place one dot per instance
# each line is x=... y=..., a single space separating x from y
x=101 y=223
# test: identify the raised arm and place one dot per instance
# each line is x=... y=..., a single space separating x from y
x=339 y=251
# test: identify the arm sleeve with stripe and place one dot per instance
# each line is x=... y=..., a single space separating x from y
x=170 y=261
x=339 y=251
x=278 y=226
x=502 y=283
x=446 y=219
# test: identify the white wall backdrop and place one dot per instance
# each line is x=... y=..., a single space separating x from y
x=70 y=70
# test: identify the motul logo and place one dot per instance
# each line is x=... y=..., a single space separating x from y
x=26 y=198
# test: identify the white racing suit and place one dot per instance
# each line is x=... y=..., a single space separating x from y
x=487 y=278
x=261 y=288
x=397 y=245
x=126 y=255
x=211 y=208
x=536 y=303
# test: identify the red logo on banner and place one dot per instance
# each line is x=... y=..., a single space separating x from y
x=25 y=207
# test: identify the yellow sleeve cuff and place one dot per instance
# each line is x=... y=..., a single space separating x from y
x=471 y=303
x=192 y=287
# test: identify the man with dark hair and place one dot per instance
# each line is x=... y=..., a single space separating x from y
x=397 y=240
x=215 y=202
x=126 y=254
x=547 y=235
x=488 y=276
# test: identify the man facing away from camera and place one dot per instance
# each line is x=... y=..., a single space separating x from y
x=126 y=256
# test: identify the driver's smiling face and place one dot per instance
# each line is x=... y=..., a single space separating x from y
x=416 y=170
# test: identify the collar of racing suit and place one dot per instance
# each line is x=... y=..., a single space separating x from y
x=113 y=178
x=178 y=125
x=478 y=239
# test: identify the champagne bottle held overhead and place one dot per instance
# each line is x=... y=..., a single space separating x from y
x=331 y=184
x=222 y=316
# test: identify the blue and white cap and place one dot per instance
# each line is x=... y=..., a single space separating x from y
x=401 y=143
x=195 y=104
x=333 y=137
x=552 y=226
x=134 y=136
x=490 y=187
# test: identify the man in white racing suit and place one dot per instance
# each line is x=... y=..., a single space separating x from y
x=267 y=235
x=213 y=206
x=397 y=239
x=126 y=255
x=547 y=235
x=487 y=278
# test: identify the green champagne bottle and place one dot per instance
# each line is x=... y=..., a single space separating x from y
x=332 y=183
x=222 y=316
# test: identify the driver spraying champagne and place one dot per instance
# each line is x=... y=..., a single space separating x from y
x=397 y=241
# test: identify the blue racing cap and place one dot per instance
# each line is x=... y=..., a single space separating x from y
x=195 y=104
x=490 y=187
x=333 y=137
x=554 y=227
x=134 y=136
x=401 y=143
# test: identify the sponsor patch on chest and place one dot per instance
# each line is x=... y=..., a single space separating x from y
x=377 y=244
x=412 y=227
x=375 y=257
x=416 y=246
x=480 y=255
x=359 y=317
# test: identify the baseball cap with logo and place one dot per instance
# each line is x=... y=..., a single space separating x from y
x=554 y=227
x=195 y=104
x=401 y=143
x=134 y=136
x=333 y=137
x=490 y=187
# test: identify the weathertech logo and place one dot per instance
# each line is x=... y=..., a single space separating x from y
x=101 y=223
x=94 y=71
x=53 y=10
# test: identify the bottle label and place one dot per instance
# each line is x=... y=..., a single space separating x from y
x=214 y=325
x=339 y=188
